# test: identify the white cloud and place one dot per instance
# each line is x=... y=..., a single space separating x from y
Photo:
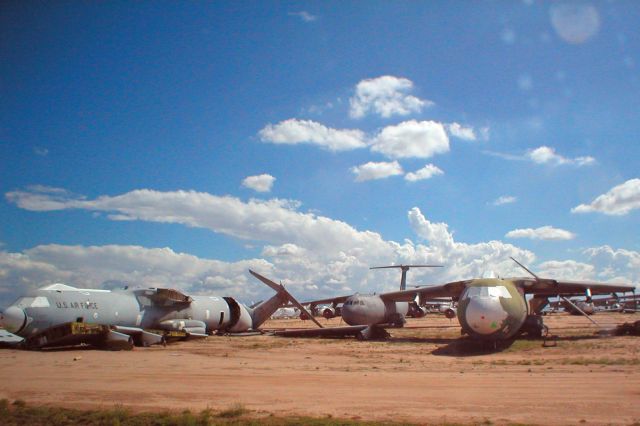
x=314 y=256
x=602 y=264
x=463 y=260
x=618 y=201
x=304 y=15
x=504 y=199
x=259 y=183
x=461 y=132
x=615 y=264
x=567 y=270
x=412 y=139
x=547 y=155
x=294 y=131
x=426 y=172
x=542 y=233
x=386 y=96
x=373 y=170
x=115 y=266
x=275 y=221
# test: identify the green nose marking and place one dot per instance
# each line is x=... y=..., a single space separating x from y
x=494 y=325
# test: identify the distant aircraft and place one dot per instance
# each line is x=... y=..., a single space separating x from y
x=414 y=309
x=129 y=316
x=489 y=308
x=285 y=313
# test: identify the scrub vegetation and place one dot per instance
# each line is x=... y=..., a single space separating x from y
x=18 y=413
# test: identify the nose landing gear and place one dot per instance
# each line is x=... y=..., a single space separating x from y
x=534 y=327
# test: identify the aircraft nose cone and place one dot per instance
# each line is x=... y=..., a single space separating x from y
x=13 y=319
x=485 y=315
x=351 y=315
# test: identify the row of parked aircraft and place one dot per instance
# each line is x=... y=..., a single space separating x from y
x=489 y=308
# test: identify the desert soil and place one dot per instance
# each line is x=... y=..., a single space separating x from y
x=425 y=373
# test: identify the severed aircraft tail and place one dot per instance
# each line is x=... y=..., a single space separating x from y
x=264 y=310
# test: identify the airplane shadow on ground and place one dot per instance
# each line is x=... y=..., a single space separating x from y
x=459 y=346
x=465 y=346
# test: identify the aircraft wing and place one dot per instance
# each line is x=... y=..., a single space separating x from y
x=452 y=289
x=332 y=300
x=168 y=296
x=349 y=330
x=550 y=287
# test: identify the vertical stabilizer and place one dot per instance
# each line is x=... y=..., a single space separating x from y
x=405 y=268
x=265 y=309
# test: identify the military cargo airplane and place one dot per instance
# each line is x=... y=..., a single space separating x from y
x=488 y=308
x=133 y=316
x=415 y=308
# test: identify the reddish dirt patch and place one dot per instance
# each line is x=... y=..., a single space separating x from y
x=425 y=374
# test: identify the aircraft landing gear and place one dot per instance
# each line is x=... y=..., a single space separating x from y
x=534 y=326
x=373 y=333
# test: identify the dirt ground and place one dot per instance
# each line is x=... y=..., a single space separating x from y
x=424 y=374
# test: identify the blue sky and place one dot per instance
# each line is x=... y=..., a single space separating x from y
x=173 y=144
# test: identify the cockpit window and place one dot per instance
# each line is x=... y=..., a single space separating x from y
x=493 y=291
x=24 y=302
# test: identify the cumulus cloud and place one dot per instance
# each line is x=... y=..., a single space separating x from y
x=304 y=247
x=615 y=264
x=412 y=139
x=461 y=132
x=602 y=263
x=618 y=201
x=113 y=266
x=542 y=233
x=504 y=199
x=373 y=170
x=548 y=155
x=566 y=270
x=386 y=96
x=463 y=260
x=294 y=131
x=259 y=183
x=427 y=172
x=314 y=256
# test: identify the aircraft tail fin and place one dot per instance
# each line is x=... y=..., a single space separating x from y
x=263 y=311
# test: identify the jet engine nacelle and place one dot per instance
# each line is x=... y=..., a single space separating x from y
x=244 y=322
x=190 y=326
x=328 y=312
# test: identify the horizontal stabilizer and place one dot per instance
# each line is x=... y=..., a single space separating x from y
x=279 y=288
